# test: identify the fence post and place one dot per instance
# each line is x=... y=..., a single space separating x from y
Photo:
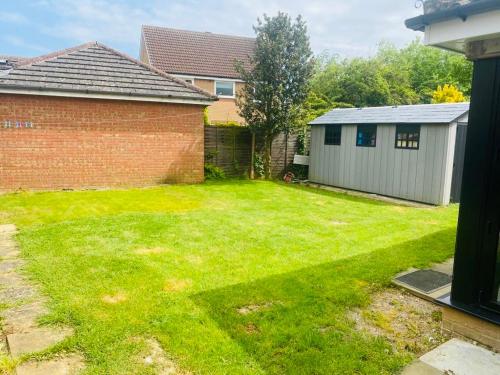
x=286 y=152
x=216 y=146
x=252 y=158
x=234 y=146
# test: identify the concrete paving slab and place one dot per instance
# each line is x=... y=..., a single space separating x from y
x=421 y=368
x=21 y=319
x=7 y=244
x=462 y=358
x=36 y=340
x=3 y=346
x=9 y=229
x=440 y=292
x=7 y=240
x=69 y=365
x=11 y=279
x=9 y=252
x=10 y=265
x=17 y=293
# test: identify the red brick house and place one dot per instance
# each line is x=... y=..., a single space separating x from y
x=90 y=116
x=204 y=59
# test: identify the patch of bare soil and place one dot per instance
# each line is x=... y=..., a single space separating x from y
x=150 y=251
x=251 y=329
x=245 y=310
x=113 y=299
x=194 y=259
x=338 y=223
x=4 y=215
x=154 y=356
x=409 y=323
x=176 y=285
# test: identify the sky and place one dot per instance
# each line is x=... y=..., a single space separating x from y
x=336 y=27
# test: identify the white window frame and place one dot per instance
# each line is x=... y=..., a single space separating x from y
x=184 y=78
x=225 y=80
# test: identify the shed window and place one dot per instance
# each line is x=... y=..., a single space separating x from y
x=224 y=88
x=366 y=136
x=333 y=135
x=408 y=137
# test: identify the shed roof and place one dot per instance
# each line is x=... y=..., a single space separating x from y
x=93 y=68
x=196 y=53
x=405 y=114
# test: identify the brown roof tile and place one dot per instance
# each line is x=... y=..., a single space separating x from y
x=196 y=53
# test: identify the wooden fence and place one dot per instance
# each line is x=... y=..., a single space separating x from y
x=230 y=148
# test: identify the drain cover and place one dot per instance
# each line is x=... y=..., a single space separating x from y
x=425 y=280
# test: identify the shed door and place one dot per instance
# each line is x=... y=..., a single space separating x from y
x=458 y=163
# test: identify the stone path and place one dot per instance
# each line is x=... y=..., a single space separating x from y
x=456 y=357
x=20 y=332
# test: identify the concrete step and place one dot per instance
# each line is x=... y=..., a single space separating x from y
x=421 y=368
x=462 y=358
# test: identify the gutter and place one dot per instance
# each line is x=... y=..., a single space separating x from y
x=89 y=94
x=419 y=23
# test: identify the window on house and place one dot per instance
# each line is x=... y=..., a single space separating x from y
x=224 y=88
x=366 y=136
x=408 y=137
x=333 y=135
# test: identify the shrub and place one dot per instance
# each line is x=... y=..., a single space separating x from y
x=448 y=94
x=213 y=173
x=206 y=121
x=258 y=165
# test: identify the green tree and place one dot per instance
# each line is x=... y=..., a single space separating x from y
x=393 y=76
x=432 y=67
x=315 y=106
x=397 y=73
x=362 y=82
x=277 y=85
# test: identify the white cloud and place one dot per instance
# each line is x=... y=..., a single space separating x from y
x=11 y=17
x=20 y=42
x=344 y=27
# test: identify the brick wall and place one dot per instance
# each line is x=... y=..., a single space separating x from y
x=223 y=110
x=78 y=143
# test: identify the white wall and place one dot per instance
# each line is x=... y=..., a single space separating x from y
x=422 y=175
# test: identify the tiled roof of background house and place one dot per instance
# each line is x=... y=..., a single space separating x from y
x=196 y=53
x=8 y=62
x=93 y=68
x=403 y=114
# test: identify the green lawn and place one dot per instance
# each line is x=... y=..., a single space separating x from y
x=176 y=263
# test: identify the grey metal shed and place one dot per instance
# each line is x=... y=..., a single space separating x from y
x=406 y=152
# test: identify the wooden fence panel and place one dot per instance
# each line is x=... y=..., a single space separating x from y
x=229 y=148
